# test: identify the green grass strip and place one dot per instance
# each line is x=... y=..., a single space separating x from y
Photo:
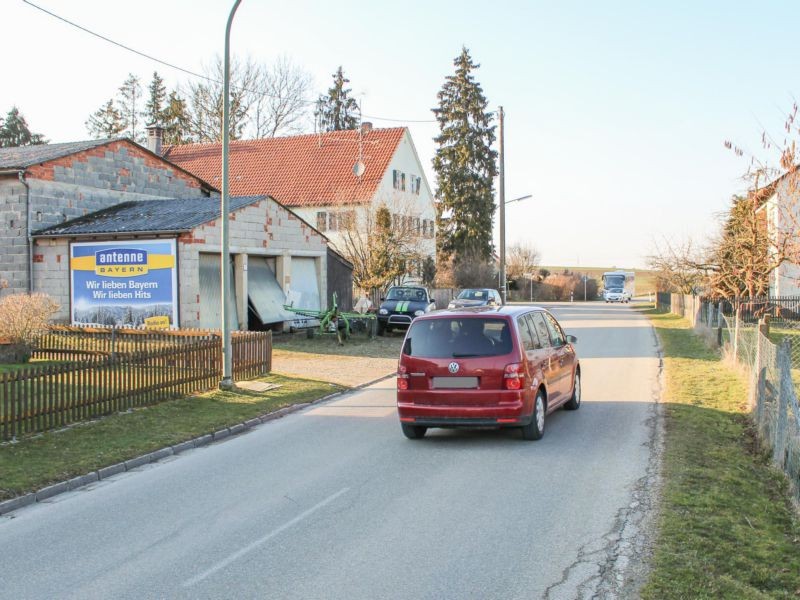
x=35 y=462
x=727 y=529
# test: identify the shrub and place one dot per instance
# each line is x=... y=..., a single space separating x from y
x=24 y=317
x=471 y=271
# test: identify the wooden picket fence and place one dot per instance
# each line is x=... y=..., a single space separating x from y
x=101 y=382
x=64 y=342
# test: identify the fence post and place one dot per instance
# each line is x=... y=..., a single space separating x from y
x=757 y=396
x=781 y=417
x=736 y=337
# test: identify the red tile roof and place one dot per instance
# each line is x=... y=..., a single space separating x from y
x=303 y=170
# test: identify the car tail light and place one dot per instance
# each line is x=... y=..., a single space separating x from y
x=513 y=379
x=402 y=377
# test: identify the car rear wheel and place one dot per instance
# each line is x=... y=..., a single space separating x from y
x=413 y=432
x=535 y=429
x=574 y=403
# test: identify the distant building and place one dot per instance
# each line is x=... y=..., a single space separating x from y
x=780 y=202
x=317 y=177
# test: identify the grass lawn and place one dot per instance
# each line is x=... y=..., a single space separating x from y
x=727 y=529
x=14 y=367
x=359 y=344
x=35 y=462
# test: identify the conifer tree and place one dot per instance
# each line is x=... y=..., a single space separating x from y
x=105 y=122
x=156 y=101
x=14 y=131
x=130 y=95
x=176 y=120
x=465 y=166
x=337 y=110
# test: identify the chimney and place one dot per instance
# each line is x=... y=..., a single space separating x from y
x=366 y=127
x=155 y=134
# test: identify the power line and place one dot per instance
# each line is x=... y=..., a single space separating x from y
x=187 y=71
x=120 y=45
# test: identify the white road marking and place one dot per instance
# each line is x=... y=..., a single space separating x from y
x=253 y=545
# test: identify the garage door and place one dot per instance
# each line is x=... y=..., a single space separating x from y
x=305 y=283
x=211 y=292
x=265 y=294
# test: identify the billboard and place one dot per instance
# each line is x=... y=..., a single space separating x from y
x=132 y=283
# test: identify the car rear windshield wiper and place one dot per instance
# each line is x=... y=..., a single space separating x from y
x=457 y=355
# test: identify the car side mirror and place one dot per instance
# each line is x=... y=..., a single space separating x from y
x=383 y=299
x=572 y=339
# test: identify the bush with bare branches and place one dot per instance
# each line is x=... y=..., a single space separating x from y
x=24 y=318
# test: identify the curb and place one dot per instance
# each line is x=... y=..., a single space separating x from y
x=7 y=506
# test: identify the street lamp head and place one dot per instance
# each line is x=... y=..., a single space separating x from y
x=520 y=198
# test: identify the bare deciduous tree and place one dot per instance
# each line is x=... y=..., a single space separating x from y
x=281 y=105
x=205 y=99
x=774 y=196
x=380 y=244
x=742 y=257
x=678 y=266
x=522 y=260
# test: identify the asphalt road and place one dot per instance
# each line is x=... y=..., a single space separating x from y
x=334 y=502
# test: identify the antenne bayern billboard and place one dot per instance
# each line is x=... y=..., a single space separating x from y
x=129 y=283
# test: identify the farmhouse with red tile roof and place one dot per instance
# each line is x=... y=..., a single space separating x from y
x=316 y=176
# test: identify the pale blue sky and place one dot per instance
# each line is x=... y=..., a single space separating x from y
x=616 y=111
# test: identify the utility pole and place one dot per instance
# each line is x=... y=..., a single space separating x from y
x=227 y=357
x=502 y=189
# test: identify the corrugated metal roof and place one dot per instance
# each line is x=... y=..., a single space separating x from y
x=147 y=216
x=20 y=157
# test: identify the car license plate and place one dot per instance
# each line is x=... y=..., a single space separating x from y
x=455 y=383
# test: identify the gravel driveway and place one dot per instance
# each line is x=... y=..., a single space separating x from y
x=361 y=360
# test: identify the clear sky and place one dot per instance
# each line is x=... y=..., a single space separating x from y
x=616 y=111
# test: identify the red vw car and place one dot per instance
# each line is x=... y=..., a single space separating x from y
x=505 y=366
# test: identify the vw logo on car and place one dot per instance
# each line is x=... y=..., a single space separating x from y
x=453 y=367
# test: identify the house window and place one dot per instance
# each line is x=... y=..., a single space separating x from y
x=403 y=182
x=416 y=225
x=424 y=227
x=396 y=179
x=416 y=183
x=322 y=221
x=428 y=231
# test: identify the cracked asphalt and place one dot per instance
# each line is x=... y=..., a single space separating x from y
x=333 y=502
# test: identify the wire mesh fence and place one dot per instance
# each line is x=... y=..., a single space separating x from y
x=768 y=348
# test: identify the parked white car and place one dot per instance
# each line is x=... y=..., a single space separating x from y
x=615 y=295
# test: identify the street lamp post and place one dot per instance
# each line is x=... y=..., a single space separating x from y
x=502 y=201
x=227 y=358
x=502 y=275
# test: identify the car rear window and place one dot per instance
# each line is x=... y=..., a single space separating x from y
x=458 y=337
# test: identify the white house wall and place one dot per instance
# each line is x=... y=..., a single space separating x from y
x=783 y=218
x=420 y=205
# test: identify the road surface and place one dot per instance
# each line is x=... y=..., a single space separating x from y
x=334 y=502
